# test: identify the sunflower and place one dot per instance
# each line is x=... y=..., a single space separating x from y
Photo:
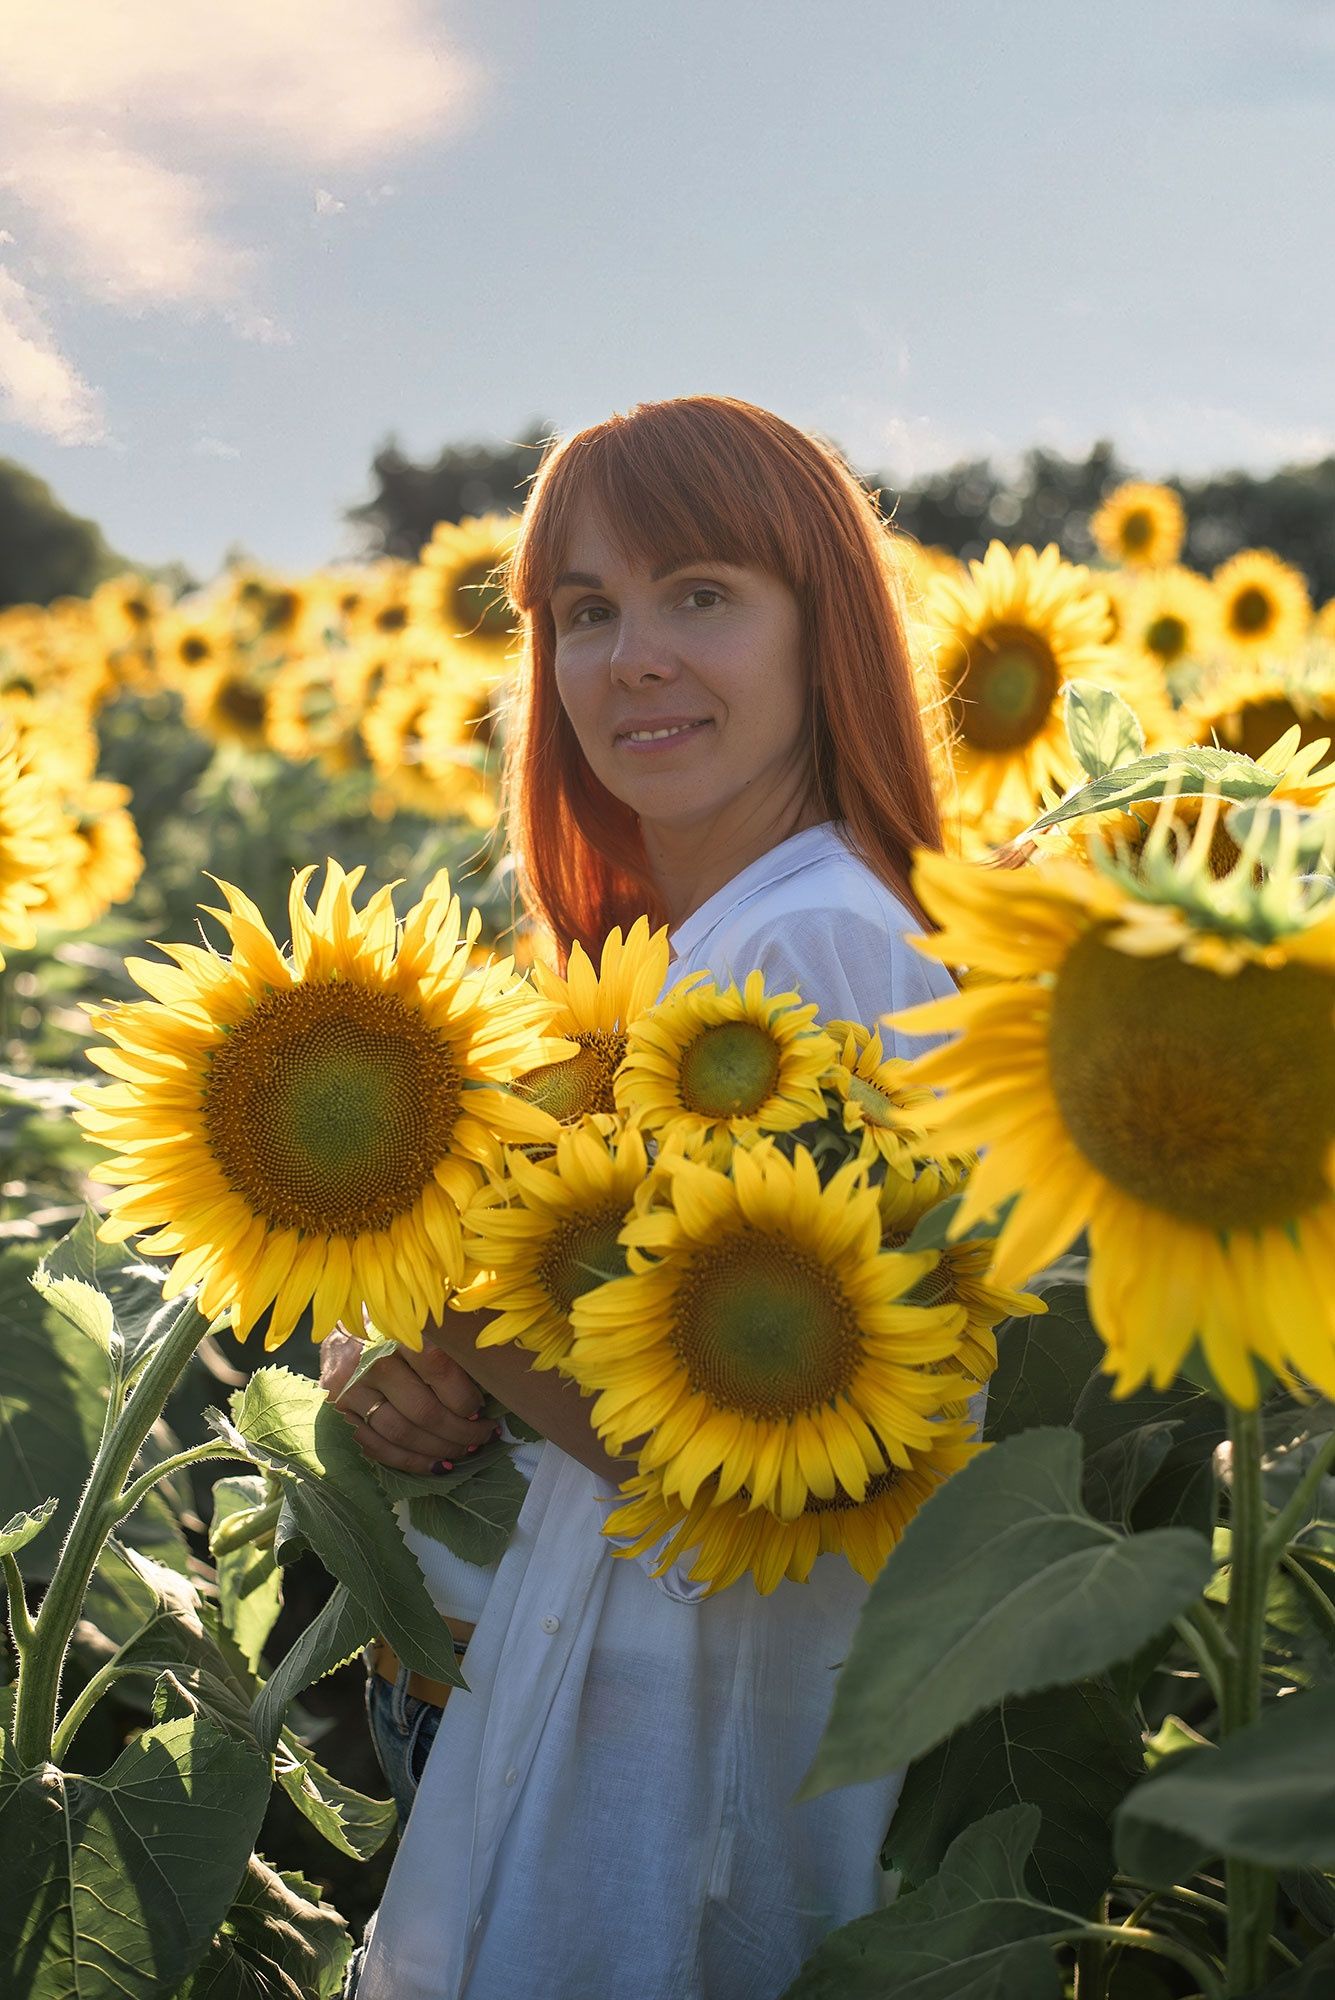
x=1156 y=1065
x=1008 y=637
x=1140 y=525
x=546 y=1232
x=1250 y=706
x=31 y=845
x=100 y=862
x=595 y=1009
x=962 y=1274
x=1263 y=604
x=305 y=1130
x=304 y=717
x=229 y=703
x=1323 y=624
x=190 y=642
x=731 y=1538
x=737 y=1059
x=761 y=1336
x=879 y=1097
x=1167 y=617
x=414 y=731
x=457 y=591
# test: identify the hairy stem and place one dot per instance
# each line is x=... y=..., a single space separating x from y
x=1251 y=1888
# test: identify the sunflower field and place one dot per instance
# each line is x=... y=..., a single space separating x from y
x=1036 y=1332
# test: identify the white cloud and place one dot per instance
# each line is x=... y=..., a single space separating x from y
x=328 y=204
x=212 y=447
x=39 y=387
x=129 y=129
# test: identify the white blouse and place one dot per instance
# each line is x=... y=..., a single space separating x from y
x=609 y=1809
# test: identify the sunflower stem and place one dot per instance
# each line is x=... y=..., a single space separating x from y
x=1127 y=1936
x=1293 y=1517
x=100 y=1508
x=126 y=1502
x=1251 y=1889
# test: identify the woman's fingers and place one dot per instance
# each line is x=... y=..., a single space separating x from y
x=447 y=1381
x=376 y=1447
x=400 y=1410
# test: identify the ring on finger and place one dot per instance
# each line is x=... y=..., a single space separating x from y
x=371 y=1409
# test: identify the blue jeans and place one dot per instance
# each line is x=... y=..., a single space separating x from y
x=402 y=1731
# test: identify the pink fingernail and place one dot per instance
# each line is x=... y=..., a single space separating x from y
x=476 y=1416
x=495 y=1432
x=443 y=1465
x=471 y=1449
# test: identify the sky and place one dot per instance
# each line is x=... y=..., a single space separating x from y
x=245 y=243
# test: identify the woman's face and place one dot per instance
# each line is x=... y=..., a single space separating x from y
x=686 y=689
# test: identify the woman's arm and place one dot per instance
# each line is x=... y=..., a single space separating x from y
x=549 y=1402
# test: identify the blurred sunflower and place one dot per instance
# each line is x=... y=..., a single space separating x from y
x=190 y=642
x=305 y=1130
x=31 y=842
x=415 y=737
x=457 y=592
x=738 y=1060
x=1167 y=617
x=1157 y=1064
x=100 y=862
x=1324 y=622
x=304 y=716
x=229 y=703
x=1008 y=637
x=762 y=1336
x=730 y=1539
x=880 y=1096
x=596 y=1009
x=962 y=1274
x=1140 y=525
x=1263 y=604
x=546 y=1232
x=1250 y=706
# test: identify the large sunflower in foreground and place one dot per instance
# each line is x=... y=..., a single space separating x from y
x=762 y=1337
x=1140 y=526
x=725 y=1058
x=457 y=591
x=1008 y=637
x=596 y=1010
x=729 y=1538
x=546 y=1232
x=1263 y=604
x=31 y=843
x=305 y=1129
x=1156 y=1064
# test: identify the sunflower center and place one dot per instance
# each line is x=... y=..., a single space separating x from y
x=581 y=1253
x=391 y=618
x=1003 y=692
x=1132 y=830
x=479 y=601
x=241 y=703
x=844 y=1503
x=329 y=1108
x=1137 y=531
x=729 y=1071
x=763 y=1328
x=1262 y=723
x=193 y=650
x=1252 y=610
x=1210 y=1098
x=581 y=1083
x=1166 y=636
x=873 y=1102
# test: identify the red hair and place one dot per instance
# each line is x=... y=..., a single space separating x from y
x=710 y=476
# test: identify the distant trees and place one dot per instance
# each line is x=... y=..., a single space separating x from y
x=45 y=551
x=1050 y=498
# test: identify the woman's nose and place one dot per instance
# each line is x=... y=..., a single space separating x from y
x=638 y=657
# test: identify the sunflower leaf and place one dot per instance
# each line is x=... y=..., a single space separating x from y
x=1263 y=1795
x=250 y=1582
x=349 y=1820
x=24 y=1527
x=1002 y=1585
x=285 y=1423
x=116 y=1884
x=131 y=1286
x=334 y=1636
x=1192 y=770
x=1104 y=731
x=1072 y=1752
x=277 y=1942
x=974 y=1932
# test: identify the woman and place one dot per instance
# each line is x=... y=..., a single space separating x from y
x=718 y=724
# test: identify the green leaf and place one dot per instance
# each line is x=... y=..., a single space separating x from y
x=285 y=1423
x=1002 y=1584
x=1072 y=1752
x=373 y=1352
x=1104 y=731
x=115 y=1885
x=131 y=1286
x=250 y=1582
x=350 y=1821
x=1282 y=828
x=1118 y=1473
x=277 y=1942
x=974 y=1932
x=1044 y=1360
x=1193 y=771
x=1264 y=1795
x=1314 y=1979
x=473 y=1510
x=23 y=1528
x=335 y=1635
x=54 y=1384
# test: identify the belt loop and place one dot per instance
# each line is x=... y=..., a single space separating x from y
x=399 y=1698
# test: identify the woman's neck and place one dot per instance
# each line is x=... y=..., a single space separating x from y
x=692 y=862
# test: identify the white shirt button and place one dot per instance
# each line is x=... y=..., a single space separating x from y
x=511 y=1777
x=550 y=1624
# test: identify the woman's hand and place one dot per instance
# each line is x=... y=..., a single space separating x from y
x=415 y=1412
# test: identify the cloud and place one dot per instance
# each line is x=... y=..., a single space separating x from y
x=131 y=129
x=328 y=204
x=212 y=447
x=39 y=387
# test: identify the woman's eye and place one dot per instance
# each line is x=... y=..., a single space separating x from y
x=582 y=615
x=706 y=590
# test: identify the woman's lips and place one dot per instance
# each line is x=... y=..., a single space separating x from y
x=643 y=737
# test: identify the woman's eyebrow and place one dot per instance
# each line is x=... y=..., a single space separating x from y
x=582 y=579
